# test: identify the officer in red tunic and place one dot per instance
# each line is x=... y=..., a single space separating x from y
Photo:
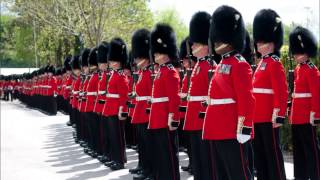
x=165 y=100
x=91 y=93
x=66 y=87
x=142 y=93
x=197 y=93
x=228 y=121
x=103 y=144
x=116 y=103
x=76 y=70
x=188 y=62
x=305 y=112
x=51 y=88
x=271 y=93
x=82 y=100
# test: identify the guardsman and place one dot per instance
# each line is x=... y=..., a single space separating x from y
x=51 y=88
x=115 y=106
x=197 y=93
x=165 y=101
x=188 y=62
x=76 y=70
x=104 y=146
x=142 y=93
x=91 y=92
x=66 y=87
x=270 y=90
x=84 y=142
x=228 y=121
x=305 y=113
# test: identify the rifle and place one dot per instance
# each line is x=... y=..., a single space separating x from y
x=153 y=75
x=290 y=81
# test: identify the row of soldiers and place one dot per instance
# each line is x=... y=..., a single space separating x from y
x=227 y=114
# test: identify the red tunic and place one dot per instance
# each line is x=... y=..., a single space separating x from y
x=92 y=91
x=306 y=97
x=198 y=92
x=143 y=90
x=117 y=94
x=75 y=93
x=101 y=98
x=270 y=89
x=166 y=86
x=67 y=87
x=82 y=96
x=183 y=95
x=230 y=93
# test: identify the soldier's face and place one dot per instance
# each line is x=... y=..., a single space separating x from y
x=85 y=69
x=265 y=48
x=161 y=58
x=185 y=63
x=114 y=64
x=103 y=66
x=199 y=50
x=300 y=58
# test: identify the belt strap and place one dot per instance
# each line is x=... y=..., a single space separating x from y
x=101 y=92
x=158 y=100
x=221 y=101
x=91 y=93
x=301 y=95
x=197 y=98
x=262 y=91
x=143 y=98
x=113 y=95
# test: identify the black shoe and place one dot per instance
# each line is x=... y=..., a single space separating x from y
x=134 y=147
x=116 y=166
x=139 y=177
x=69 y=123
x=74 y=125
x=149 y=178
x=109 y=163
x=104 y=159
x=135 y=170
x=93 y=154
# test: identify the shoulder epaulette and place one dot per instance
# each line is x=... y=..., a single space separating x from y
x=275 y=58
x=170 y=66
x=239 y=57
x=311 y=65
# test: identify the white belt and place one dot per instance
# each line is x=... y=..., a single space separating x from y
x=91 y=93
x=143 y=98
x=46 y=86
x=197 y=98
x=35 y=86
x=262 y=91
x=158 y=100
x=221 y=101
x=301 y=95
x=75 y=92
x=183 y=95
x=113 y=95
x=101 y=92
x=68 y=87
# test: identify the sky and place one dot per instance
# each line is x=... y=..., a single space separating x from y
x=306 y=13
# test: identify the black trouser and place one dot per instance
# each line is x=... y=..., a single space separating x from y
x=268 y=158
x=230 y=159
x=306 y=153
x=249 y=150
x=106 y=139
x=130 y=131
x=83 y=127
x=117 y=139
x=184 y=140
x=100 y=134
x=144 y=148
x=94 y=130
x=77 y=122
x=165 y=154
x=202 y=160
x=52 y=105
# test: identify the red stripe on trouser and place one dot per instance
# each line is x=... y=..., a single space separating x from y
x=275 y=150
x=315 y=151
x=171 y=155
x=121 y=140
x=212 y=161
x=242 y=162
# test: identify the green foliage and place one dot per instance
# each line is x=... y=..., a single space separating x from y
x=171 y=17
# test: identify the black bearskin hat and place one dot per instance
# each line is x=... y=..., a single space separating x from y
x=75 y=62
x=199 y=27
x=163 y=41
x=227 y=26
x=118 y=51
x=267 y=27
x=183 y=53
x=103 y=52
x=247 y=52
x=84 y=57
x=67 y=63
x=92 y=59
x=301 y=41
x=140 y=44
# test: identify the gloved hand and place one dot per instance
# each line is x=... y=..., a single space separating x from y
x=172 y=124
x=55 y=95
x=276 y=120
x=313 y=120
x=120 y=114
x=243 y=132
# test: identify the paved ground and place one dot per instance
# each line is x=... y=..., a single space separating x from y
x=35 y=146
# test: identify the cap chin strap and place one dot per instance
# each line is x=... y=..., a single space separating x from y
x=221 y=47
x=197 y=50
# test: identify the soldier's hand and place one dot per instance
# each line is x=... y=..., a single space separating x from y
x=313 y=120
x=172 y=124
x=120 y=114
x=243 y=132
